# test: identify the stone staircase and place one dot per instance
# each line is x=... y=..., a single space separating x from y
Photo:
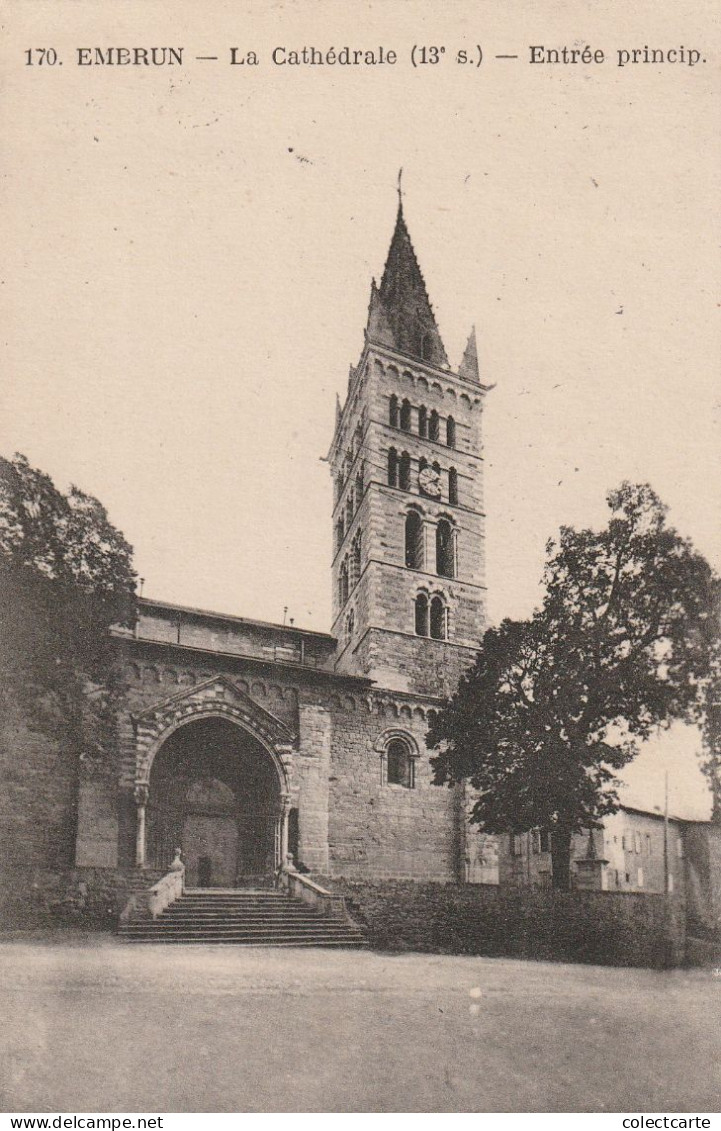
x=244 y=918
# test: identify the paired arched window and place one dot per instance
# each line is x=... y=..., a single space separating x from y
x=404 y=472
x=438 y=619
x=444 y=549
x=431 y=617
x=414 y=540
x=423 y=422
x=406 y=416
x=421 y=613
x=452 y=485
x=434 y=426
x=400 y=765
x=451 y=432
x=392 y=467
x=393 y=412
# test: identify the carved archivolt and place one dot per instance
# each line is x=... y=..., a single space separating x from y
x=216 y=698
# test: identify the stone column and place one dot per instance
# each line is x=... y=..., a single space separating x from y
x=429 y=545
x=141 y=800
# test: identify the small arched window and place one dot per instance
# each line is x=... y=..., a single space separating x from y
x=423 y=422
x=392 y=467
x=393 y=412
x=350 y=624
x=400 y=766
x=444 y=549
x=422 y=464
x=434 y=426
x=426 y=347
x=438 y=619
x=404 y=472
x=414 y=540
x=349 y=508
x=452 y=485
x=451 y=432
x=421 y=610
x=339 y=533
x=338 y=487
x=437 y=467
x=406 y=416
x=359 y=486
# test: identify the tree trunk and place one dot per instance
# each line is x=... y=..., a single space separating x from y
x=561 y=837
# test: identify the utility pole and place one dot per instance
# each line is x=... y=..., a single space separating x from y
x=665 y=836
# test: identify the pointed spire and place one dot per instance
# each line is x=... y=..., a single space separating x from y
x=400 y=314
x=468 y=368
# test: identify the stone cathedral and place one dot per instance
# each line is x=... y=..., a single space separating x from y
x=242 y=741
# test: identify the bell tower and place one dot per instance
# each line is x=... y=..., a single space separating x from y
x=408 y=521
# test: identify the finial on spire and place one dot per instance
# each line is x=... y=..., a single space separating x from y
x=400 y=187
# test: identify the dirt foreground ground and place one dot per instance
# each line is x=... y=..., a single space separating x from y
x=93 y=1025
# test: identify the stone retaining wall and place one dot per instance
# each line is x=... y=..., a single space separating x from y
x=606 y=928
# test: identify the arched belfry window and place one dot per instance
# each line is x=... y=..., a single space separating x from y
x=400 y=764
x=406 y=416
x=421 y=614
x=414 y=540
x=439 y=628
x=444 y=549
x=434 y=426
x=357 y=548
x=343 y=584
x=393 y=412
x=452 y=485
x=451 y=432
x=423 y=422
x=392 y=467
x=404 y=472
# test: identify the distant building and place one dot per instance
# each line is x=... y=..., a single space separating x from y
x=632 y=851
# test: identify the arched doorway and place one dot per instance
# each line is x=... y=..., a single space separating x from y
x=215 y=790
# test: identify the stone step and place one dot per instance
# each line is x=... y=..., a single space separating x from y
x=247 y=918
x=350 y=944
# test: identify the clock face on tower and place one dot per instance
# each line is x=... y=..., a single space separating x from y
x=429 y=482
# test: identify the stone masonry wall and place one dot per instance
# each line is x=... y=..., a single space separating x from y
x=378 y=829
x=37 y=817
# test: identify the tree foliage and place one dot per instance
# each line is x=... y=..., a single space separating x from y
x=556 y=704
x=66 y=576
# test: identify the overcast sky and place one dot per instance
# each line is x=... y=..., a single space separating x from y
x=188 y=275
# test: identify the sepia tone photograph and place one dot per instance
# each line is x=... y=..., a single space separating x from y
x=360 y=538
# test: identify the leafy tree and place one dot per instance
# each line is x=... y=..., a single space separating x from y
x=556 y=704
x=66 y=576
